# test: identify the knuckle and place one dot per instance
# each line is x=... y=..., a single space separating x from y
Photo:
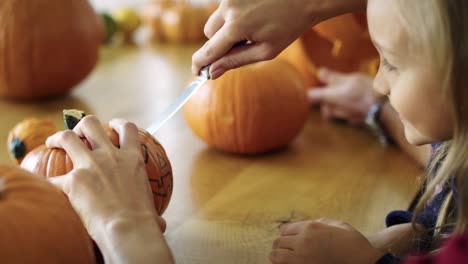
x=66 y=135
x=89 y=120
x=208 y=51
x=268 y=53
x=231 y=63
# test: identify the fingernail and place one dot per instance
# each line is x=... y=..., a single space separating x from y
x=217 y=73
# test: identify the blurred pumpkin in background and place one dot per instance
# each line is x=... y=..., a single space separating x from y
x=55 y=162
x=341 y=44
x=37 y=223
x=47 y=46
x=249 y=110
x=27 y=135
x=177 y=21
x=128 y=21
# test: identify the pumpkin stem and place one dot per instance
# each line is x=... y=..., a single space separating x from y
x=17 y=148
x=72 y=117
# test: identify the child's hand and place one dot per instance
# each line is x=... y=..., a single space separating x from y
x=107 y=184
x=322 y=241
x=345 y=96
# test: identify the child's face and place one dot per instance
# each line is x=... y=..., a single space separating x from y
x=409 y=79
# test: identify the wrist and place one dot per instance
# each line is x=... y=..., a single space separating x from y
x=326 y=9
x=128 y=239
x=374 y=122
x=108 y=232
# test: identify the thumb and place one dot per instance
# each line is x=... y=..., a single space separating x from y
x=315 y=95
x=240 y=56
x=329 y=76
x=221 y=42
x=327 y=95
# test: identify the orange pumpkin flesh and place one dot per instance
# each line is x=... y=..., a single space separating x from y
x=37 y=223
x=55 y=162
x=253 y=109
x=342 y=44
x=47 y=46
x=27 y=135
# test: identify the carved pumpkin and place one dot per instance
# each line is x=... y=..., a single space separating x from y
x=38 y=224
x=55 y=162
x=27 y=135
x=47 y=46
x=341 y=43
x=253 y=109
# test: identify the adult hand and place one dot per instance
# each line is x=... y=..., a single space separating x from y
x=269 y=25
x=107 y=184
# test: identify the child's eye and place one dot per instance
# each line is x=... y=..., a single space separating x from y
x=387 y=65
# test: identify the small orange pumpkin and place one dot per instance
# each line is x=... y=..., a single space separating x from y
x=38 y=224
x=341 y=43
x=46 y=46
x=27 y=135
x=55 y=162
x=253 y=109
x=177 y=21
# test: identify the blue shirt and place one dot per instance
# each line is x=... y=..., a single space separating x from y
x=427 y=217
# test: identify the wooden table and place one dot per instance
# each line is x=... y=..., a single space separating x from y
x=227 y=208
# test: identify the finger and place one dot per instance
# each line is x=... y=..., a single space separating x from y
x=214 y=23
x=328 y=76
x=291 y=229
x=61 y=182
x=315 y=95
x=281 y=256
x=90 y=128
x=329 y=94
x=128 y=133
x=72 y=144
x=221 y=42
x=162 y=223
x=240 y=56
x=335 y=223
x=339 y=112
x=284 y=242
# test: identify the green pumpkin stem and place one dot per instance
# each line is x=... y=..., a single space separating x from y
x=72 y=117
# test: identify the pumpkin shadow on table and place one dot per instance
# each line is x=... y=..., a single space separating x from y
x=207 y=181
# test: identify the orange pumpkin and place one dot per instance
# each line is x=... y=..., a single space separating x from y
x=27 y=135
x=38 y=224
x=47 y=46
x=152 y=18
x=253 y=109
x=55 y=162
x=341 y=43
x=177 y=21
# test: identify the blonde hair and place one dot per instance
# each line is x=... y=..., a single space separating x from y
x=438 y=29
